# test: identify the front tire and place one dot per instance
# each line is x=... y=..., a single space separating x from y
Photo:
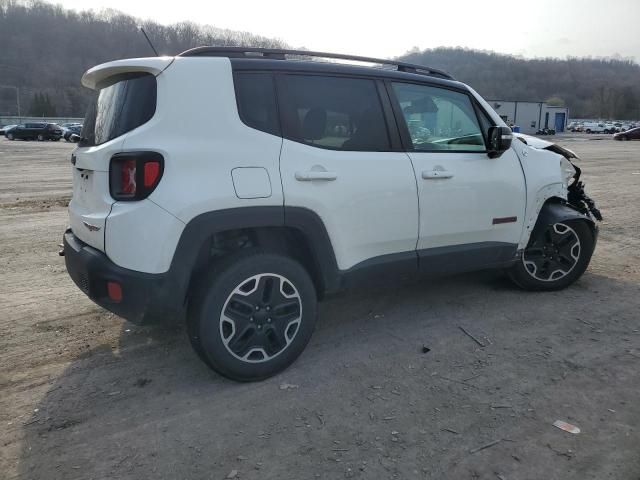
x=557 y=255
x=252 y=315
x=40 y=138
x=10 y=136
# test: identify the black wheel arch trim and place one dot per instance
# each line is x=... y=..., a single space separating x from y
x=555 y=211
x=202 y=228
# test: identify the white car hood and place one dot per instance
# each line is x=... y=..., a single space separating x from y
x=541 y=144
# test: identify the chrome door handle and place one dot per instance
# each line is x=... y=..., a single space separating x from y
x=312 y=175
x=435 y=174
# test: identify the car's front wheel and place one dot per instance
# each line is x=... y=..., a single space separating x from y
x=40 y=137
x=252 y=315
x=556 y=256
x=10 y=136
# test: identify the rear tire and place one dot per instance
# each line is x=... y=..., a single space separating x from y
x=556 y=256
x=40 y=138
x=252 y=315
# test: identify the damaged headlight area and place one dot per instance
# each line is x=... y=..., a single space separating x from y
x=576 y=195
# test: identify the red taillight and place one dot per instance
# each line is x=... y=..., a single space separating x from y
x=114 y=290
x=151 y=173
x=133 y=176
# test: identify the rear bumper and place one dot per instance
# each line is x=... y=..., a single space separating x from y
x=146 y=298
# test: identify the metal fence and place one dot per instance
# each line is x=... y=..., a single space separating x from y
x=8 y=120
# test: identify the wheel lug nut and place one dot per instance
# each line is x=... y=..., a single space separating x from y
x=259 y=327
x=268 y=308
x=268 y=320
x=251 y=319
x=257 y=308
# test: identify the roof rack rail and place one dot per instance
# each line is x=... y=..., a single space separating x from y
x=281 y=54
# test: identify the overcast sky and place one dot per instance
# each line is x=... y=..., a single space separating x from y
x=535 y=28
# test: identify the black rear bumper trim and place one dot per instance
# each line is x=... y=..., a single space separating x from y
x=146 y=298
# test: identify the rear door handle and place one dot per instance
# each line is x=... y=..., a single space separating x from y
x=312 y=175
x=435 y=174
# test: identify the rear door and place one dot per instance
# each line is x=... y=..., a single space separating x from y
x=338 y=161
x=471 y=206
x=123 y=103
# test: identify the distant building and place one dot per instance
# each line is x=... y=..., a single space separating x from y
x=531 y=116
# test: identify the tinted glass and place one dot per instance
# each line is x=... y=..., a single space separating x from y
x=120 y=107
x=333 y=112
x=255 y=93
x=439 y=119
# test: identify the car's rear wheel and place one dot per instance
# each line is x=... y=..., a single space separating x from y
x=556 y=256
x=252 y=315
x=40 y=137
x=625 y=138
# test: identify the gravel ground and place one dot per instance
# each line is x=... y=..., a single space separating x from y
x=84 y=394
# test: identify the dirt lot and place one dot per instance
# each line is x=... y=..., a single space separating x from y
x=85 y=394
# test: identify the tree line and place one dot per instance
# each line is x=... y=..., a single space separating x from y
x=45 y=49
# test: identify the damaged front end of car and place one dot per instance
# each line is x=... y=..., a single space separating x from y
x=576 y=196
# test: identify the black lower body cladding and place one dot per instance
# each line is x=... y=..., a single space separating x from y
x=146 y=298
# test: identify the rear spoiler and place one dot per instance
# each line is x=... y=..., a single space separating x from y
x=98 y=74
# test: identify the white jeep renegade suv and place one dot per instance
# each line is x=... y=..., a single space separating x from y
x=235 y=187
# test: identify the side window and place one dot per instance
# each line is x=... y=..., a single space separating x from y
x=439 y=119
x=333 y=112
x=255 y=93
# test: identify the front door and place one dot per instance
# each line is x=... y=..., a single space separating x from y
x=471 y=206
x=337 y=160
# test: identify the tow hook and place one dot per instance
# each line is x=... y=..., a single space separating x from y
x=61 y=251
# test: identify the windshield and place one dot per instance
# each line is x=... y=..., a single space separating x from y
x=127 y=102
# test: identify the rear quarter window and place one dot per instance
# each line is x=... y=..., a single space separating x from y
x=124 y=103
x=255 y=94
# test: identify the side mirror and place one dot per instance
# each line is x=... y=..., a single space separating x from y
x=75 y=138
x=499 y=140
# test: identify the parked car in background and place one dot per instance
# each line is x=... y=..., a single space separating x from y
x=575 y=127
x=594 y=127
x=6 y=128
x=611 y=128
x=631 y=134
x=73 y=129
x=35 y=131
x=66 y=126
